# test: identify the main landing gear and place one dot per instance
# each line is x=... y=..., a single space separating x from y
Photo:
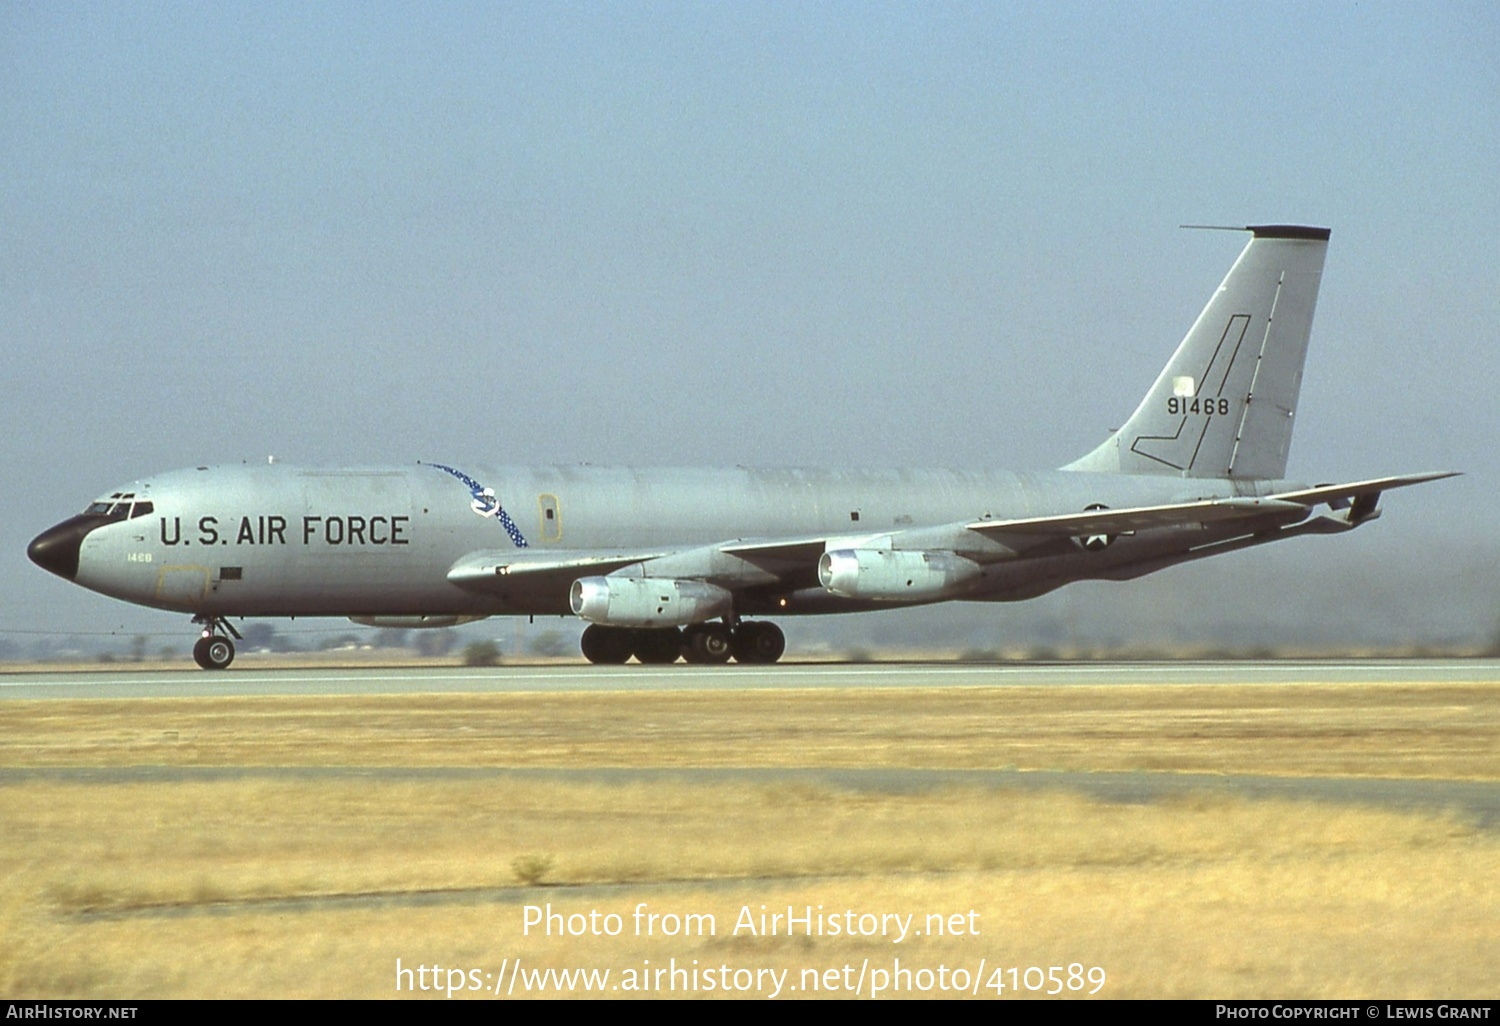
x=749 y=641
x=214 y=651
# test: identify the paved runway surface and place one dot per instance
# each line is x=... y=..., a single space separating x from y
x=245 y=679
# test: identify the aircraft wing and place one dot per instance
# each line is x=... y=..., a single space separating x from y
x=478 y=570
x=769 y=554
x=1360 y=494
x=491 y=570
x=1121 y=521
x=1334 y=493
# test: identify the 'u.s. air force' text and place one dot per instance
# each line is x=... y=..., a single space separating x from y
x=271 y=529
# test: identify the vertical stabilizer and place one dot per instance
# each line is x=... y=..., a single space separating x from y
x=1224 y=405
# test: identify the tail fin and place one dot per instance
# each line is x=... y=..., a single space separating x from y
x=1224 y=404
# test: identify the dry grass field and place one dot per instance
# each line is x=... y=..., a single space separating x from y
x=312 y=858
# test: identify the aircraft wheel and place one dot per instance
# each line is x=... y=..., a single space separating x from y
x=709 y=643
x=758 y=642
x=606 y=644
x=690 y=652
x=659 y=646
x=213 y=653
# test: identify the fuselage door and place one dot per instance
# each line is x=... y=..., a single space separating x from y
x=181 y=586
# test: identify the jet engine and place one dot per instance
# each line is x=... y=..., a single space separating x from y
x=895 y=575
x=647 y=601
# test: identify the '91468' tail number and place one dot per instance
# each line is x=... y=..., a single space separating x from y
x=1195 y=404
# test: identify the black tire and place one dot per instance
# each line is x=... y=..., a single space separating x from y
x=690 y=652
x=709 y=643
x=609 y=645
x=758 y=642
x=213 y=653
x=658 y=646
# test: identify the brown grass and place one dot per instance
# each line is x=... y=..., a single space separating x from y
x=1443 y=731
x=175 y=888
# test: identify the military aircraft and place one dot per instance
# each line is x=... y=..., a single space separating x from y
x=670 y=563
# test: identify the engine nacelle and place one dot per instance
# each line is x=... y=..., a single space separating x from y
x=647 y=601
x=884 y=575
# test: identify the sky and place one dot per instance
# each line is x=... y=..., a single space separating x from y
x=827 y=234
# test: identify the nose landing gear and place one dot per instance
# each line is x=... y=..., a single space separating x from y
x=214 y=651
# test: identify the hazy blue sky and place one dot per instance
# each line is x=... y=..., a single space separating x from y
x=834 y=234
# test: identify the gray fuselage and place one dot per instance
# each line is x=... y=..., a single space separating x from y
x=279 y=540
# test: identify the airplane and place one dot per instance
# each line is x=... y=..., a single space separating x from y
x=674 y=563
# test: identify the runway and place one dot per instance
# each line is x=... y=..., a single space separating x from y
x=245 y=678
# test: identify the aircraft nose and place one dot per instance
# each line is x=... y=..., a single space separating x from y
x=56 y=548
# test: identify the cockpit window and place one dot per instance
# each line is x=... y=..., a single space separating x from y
x=113 y=510
x=119 y=506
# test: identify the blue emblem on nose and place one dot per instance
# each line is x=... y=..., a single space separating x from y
x=485 y=504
